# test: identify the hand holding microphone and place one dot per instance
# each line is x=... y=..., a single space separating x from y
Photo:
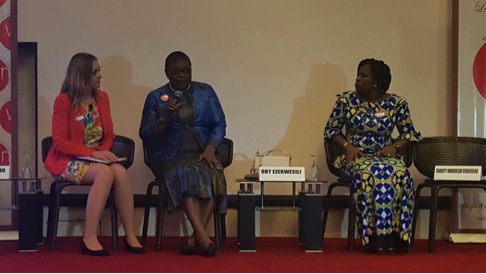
x=174 y=103
x=172 y=107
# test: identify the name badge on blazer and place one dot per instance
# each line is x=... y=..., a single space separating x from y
x=79 y=118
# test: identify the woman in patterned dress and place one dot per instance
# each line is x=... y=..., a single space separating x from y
x=82 y=126
x=382 y=187
x=182 y=125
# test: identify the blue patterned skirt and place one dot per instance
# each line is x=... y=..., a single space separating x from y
x=384 y=194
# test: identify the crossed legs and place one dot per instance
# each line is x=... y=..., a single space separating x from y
x=199 y=212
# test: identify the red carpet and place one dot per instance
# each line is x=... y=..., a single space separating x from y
x=273 y=255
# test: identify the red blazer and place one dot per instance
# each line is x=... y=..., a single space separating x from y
x=68 y=132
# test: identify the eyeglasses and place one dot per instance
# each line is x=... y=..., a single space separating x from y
x=177 y=71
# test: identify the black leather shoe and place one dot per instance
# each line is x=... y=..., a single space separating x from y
x=85 y=250
x=186 y=249
x=210 y=251
x=132 y=249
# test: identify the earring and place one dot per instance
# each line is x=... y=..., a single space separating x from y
x=376 y=85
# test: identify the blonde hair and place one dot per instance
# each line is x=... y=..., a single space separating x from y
x=78 y=77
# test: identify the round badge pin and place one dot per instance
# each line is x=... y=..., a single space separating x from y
x=164 y=98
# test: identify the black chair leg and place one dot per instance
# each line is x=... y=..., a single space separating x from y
x=160 y=215
x=433 y=217
x=326 y=207
x=415 y=213
x=217 y=227
x=53 y=217
x=351 y=223
x=324 y=215
x=352 y=212
x=147 y=212
x=223 y=228
x=159 y=221
x=114 y=223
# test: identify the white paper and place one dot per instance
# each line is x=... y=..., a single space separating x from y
x=87 y=158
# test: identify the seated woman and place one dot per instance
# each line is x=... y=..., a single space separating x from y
x=182 y=125
x=82 y=126
x=382 y=186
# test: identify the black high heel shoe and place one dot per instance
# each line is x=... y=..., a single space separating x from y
x=132 y=249
x=85 y=250
x=210 y=251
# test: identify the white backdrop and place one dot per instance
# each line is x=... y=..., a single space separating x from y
x=275 y=64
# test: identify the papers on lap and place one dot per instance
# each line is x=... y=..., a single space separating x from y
x=87 y=158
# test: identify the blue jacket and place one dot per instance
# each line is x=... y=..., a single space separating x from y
x=209 y=124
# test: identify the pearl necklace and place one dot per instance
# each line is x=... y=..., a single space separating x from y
x=182 y=91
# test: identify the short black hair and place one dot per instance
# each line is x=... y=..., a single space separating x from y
x=176 y=55
x=380 y=71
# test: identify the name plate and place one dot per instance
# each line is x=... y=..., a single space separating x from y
x=4 y=172
x=282 y=174
x=458 y=173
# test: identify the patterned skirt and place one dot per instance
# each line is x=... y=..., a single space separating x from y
x=185 y=177
x=384 y=194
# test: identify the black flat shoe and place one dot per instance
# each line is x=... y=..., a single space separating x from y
x=380 y=250
x=396 y=245
x=210 y=251
x=186 y=249
x=379 y=244
x=132 y=249
x=402 y=247
x=85 y=250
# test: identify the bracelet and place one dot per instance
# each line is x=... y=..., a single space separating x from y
x=345 y=144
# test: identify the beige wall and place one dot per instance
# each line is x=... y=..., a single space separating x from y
x=275 y=64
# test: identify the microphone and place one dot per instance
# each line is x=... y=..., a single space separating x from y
x=177 y=97
x=178 y=94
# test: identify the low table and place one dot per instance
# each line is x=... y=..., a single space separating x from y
x=310 y=213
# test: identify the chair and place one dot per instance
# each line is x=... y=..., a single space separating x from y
x=122 y=147
x=333 y=150
x=445 y=150
x=224 y=153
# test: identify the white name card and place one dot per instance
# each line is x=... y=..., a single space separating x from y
x=4 y=172
x=458 y=173
x=282 y=174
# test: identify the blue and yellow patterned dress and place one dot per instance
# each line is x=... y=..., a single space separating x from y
x=382 y=187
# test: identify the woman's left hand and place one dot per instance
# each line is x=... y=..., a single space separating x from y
x=210 y=157
x=388 y=151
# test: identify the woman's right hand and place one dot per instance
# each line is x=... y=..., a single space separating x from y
x=164 y=120
x=105 y=155
x=351 y=154
x=172 y=107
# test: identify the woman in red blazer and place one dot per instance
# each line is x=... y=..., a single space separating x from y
x=82 y=126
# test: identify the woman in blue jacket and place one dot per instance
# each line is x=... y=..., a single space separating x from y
x=182 y=125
